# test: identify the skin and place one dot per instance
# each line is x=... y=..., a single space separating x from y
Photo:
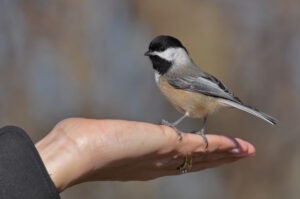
x=78 y=150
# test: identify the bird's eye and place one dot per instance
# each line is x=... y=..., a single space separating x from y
x=161 y=49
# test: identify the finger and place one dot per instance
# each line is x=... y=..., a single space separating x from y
x=211 y=164
x=201 y=166
x=216 y=143
x=170 y=164
x=217 y=156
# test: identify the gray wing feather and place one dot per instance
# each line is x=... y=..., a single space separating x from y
x=207 y=85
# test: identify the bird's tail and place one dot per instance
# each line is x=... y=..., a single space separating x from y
x=250 y=110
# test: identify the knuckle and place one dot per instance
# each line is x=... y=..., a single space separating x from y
x=168 y=132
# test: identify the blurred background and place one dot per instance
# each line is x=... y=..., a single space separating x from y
x=62 y=59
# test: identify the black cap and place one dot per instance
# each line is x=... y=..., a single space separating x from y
x=162 y=42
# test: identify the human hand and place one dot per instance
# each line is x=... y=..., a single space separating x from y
x=79 y=150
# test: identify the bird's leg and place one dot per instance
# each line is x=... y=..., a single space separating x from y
x=174 y=124
x=202 y=132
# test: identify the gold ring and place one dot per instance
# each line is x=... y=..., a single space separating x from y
x=186 y=166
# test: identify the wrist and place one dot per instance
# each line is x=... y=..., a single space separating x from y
x=61 y=158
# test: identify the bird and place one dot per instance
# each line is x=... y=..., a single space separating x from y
x=192 y=91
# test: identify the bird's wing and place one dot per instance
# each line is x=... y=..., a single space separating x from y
x=208 y=85
x=205 y=84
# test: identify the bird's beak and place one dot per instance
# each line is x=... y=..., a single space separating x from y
x=148 y=53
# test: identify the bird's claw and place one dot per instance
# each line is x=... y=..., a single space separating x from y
x=202 y=133
x=166 y=123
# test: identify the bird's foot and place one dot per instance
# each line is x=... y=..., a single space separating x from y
x=202 y=133
x=179 y=133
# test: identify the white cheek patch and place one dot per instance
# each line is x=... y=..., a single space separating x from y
x=177 y=56
x=168 y=54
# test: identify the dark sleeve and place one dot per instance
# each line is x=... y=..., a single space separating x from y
x=22 y=172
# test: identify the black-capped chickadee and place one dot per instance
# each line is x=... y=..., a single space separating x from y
x=191 y=90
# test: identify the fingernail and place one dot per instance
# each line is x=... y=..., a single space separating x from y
x=240 y=153
x=235 y=151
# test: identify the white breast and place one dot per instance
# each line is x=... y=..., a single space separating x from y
x=156 y=76
x=196 y=105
